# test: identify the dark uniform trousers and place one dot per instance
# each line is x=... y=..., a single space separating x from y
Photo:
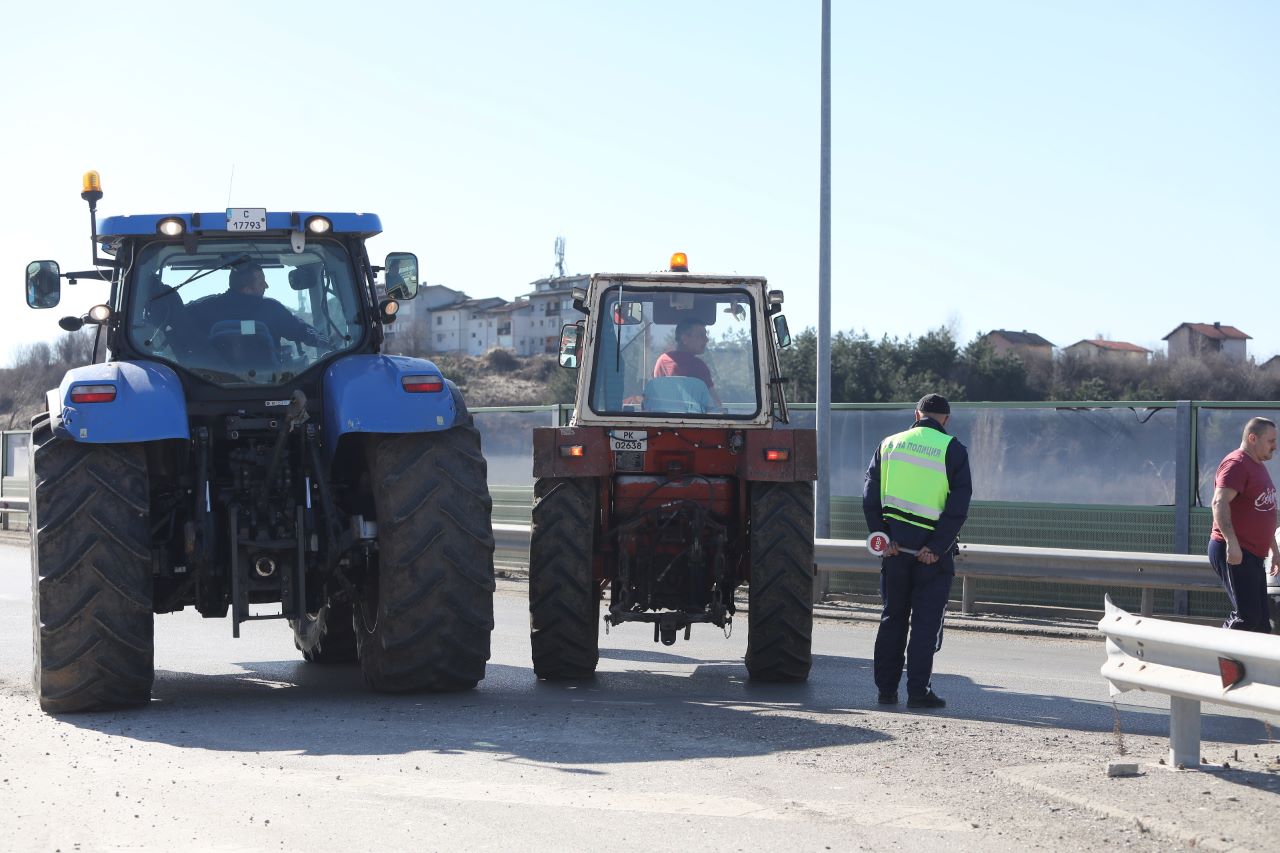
x=915 y=597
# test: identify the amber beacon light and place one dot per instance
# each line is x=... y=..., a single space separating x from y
x=679 y=262
x=91 y=186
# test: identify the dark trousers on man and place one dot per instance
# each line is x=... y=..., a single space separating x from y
x=1246 y=588
x=914 y=597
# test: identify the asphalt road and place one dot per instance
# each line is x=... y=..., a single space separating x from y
x=245 y=747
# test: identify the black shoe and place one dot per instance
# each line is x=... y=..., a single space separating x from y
x=888 y=699
x=928 y=700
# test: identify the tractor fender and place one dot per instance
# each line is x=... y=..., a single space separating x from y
x=365 y=393
x=149 y=404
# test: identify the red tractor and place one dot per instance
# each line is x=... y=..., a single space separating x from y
x=677 y=479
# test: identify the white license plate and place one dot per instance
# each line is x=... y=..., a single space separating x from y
x=246 y=219
x=629 y=439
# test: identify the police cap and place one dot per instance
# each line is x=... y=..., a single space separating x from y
x=933 y=404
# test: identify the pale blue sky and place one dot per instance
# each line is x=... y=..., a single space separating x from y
x=1070 y=168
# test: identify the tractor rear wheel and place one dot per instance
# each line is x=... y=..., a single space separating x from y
x=426 y=615
x=564 y=598
x=780 y=609
x=90 y=574
x=327 y=636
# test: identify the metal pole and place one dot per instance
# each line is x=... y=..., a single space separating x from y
x=1184 y=732
x=822 y=508
x=1184 y=483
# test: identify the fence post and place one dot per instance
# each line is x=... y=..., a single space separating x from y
x=968 y=586
x=1184 y=732
x=1148 y=601
x=1184 y=483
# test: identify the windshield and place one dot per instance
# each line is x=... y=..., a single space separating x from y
x=244 y=312
x=676 y=351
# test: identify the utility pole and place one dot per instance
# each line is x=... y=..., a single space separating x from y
x=822 y=502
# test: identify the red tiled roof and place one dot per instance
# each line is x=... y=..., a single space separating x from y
x=1214 y=330
x=1118 y=346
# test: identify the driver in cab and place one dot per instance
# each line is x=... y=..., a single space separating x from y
x=691 y=342
x=244 y=301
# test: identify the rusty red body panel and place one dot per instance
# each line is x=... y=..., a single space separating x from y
x=634 y=494
x=677 y=451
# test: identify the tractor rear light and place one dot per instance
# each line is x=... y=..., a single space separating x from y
x=572 y=450
x=93 y=393
x=777 y=454
x=319 y=225
x=171 y=227
x=1232 y=672
x=100 y=313
x=422 y=384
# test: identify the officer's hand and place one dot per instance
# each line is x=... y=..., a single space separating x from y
x=1234 y=556
x=926 y=556
x=892 y=549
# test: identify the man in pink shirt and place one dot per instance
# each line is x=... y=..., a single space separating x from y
x=691 y=341
x=1244 y=527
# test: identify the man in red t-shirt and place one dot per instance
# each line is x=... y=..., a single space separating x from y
x=1244 y=527
x=691 y=341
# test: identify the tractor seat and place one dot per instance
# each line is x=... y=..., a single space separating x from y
x=245 y=345
x=684 y=395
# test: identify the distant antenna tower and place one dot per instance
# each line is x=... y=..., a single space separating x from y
x=559 y=257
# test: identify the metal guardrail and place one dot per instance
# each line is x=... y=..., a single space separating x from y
x=1191 y=664
x=1057 y=565
x=10 y=505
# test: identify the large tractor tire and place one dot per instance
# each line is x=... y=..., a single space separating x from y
x=780 y=608
x=564 y=598
x=327 y=636
x=426 y=615
x=90 y=574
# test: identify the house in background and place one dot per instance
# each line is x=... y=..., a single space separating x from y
x=536 y=327
x=1101 y=350
x=1197 y=339
x=1024 y=344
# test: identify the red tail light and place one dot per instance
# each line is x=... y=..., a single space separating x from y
x=93 y=393
x=422 y=384
x=777 y=454
x=572 y=450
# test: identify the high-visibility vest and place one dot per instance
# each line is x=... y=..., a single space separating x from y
x=913 y=476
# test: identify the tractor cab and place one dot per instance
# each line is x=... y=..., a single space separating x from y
x=676 y=348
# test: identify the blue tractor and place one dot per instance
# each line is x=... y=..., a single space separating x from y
x=253 y=454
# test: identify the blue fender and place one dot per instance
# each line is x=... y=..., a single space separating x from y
x=364 y=393
x=149 y=404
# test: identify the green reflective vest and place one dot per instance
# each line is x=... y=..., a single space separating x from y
x=913 y=476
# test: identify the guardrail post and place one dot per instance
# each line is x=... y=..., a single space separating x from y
x=968 y=586
x=1148 y=601
x=1184 y=732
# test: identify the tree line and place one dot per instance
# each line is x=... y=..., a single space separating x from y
x=34 y=369
x=866 y=370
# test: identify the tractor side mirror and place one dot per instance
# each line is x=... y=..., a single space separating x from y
x=570 y=337
x=780 y=329
x=402 y=275
x=44 y=284
x=628 y=313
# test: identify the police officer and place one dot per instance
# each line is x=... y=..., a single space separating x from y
x=917 y=493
